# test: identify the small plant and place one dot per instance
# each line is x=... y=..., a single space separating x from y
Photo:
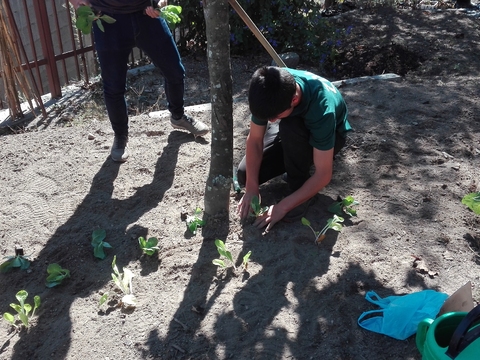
x=171 y=14
x=86 y=17
x=148 y=246
x=246 y=258
x=194 y=221
x=258 y=210
x=344 y=206
x=332 y=223
x=103 y=299
x=124 y=284
x=17 y=261
x=98 y=244
x=472 y=200
x=56 y=274
x=22 y=309
x=222 y=250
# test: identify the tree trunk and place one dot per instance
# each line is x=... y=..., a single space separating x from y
x=219 y=182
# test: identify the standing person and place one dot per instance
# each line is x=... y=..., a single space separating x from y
x=137 y=25
x=311 y=130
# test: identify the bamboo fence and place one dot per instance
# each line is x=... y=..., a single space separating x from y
x=12 y=72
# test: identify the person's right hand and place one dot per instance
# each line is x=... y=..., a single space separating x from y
x=244 y=206
x=77 y=3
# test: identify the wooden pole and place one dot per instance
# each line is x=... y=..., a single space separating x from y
x=251 y=25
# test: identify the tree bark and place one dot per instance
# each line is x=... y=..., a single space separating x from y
x=219 y=182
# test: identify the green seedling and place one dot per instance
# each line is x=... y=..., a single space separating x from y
x=194 y=221
x=344 y=206
x=103 y=299
x=472 y=200
x=22 y=309
x=124 y=283
x=258 y=210
x=148 y=246
x=171 y=14
x=332 y=223
x=222 y=250
x=17 y=261
x=86 y=17
x=56 y=274
x=246 y=258
x=98 y=244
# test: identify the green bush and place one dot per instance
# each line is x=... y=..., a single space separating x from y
x=289 y=25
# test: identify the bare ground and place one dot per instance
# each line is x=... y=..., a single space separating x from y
x=415 y=152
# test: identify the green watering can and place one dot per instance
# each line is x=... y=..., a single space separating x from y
x=454 y=335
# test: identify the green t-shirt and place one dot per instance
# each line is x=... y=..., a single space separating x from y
x=322 y=107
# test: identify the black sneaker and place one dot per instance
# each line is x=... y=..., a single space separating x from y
x=300 y=211
x=197 y=128
x=119 y=151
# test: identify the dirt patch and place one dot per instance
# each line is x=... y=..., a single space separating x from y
x=414 y=154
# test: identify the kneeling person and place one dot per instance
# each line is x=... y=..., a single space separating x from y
x=299 y=119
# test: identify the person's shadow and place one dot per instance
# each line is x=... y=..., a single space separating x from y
x=70 y=247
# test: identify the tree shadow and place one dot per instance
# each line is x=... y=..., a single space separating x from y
x=70 y=246
x=197 y=302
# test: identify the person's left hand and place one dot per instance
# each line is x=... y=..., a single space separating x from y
x=153 y=13
x=273 y=215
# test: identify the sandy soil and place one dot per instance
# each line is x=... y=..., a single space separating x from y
x=415 y=152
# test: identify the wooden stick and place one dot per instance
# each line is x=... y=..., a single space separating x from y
x=251 y=25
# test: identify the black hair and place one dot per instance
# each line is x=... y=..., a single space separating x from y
x=271 y=92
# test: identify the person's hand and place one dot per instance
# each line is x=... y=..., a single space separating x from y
x=162 y=3
x=77 y=3
x=150 y=11
x=244 y=206
x=154 y=13
x=273 y=215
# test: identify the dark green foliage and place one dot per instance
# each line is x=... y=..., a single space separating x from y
x=289 y=25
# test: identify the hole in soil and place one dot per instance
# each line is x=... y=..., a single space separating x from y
x=363 y=61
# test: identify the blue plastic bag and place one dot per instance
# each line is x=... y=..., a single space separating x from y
x=399 y=316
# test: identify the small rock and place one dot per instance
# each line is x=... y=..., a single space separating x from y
x=91 y=137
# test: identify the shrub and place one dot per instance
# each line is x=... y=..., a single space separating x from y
x=288 y=25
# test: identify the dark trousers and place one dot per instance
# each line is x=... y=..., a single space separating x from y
x=286 y=149
x=113 y=48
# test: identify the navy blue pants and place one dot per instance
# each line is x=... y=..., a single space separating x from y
x=113 y=48
x=286 y=149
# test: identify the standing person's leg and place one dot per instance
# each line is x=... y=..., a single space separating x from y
x=155 y=38
x=272 y=161
x=113 y=47
x=297 y=151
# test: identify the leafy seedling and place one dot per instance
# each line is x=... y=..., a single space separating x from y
x=56 y=274
x=171 y=14
x=103 y=299
x=98 y=244
x=472 y=200
x=246 y=258
x=124 y=283
x=258 y=210
x=344 y=206
x=222 y=250
x=86 y=17
x=22 y=309
x=194 y=221
x=148 y=246
x=17 y=261
x=332 y=223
